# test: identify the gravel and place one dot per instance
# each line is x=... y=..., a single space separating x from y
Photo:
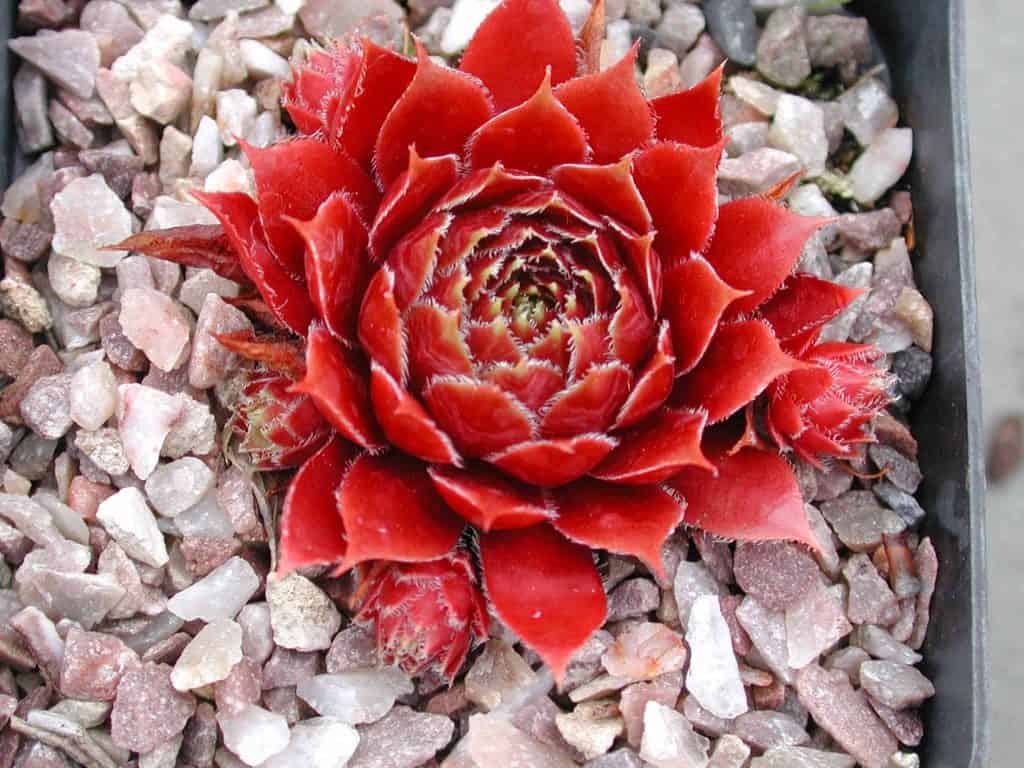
x=136 y=553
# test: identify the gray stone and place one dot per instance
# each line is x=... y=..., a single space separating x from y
x=679 y=28
x=632 y=598
x=402 y=739
x=34 y=131
x=859 y=521
x=734 y=28
x=756 y=172
x=896 y=685
x=782 y=54
x=838 y=40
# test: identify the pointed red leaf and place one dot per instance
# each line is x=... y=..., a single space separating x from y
x=644 y=262
x=531 y=382
x=195 y=245
x=282 y=355
x=550 y=463
x=741 y=361
x=629 y=521
x=392 y=512
x=694 y=299
x=489 y=186
x=286 y=297
x=322 y=170
x=406 y=422
x=436 y=344
x=515 y=44
x=321 y=86
x=632 y=328
x=611 y=108
x=805 y=302
x=532 y=137
x=383 y=78
x=413 y=260
x=545 y=589
x=338 y=380
x=590 y=39
x=756 y=245
x=754 y=497
x=312 y=532
x=380 y=325
x=489 y=500
x=589 y=344
x=589 y=405
x=607 y=189
x=410 y=197
x=337 y=267
x=654 y=384
x=692 y=117
x=436 y=114
x=479 y=417
x=656 y=449
x=492 y=342
x=679 y=184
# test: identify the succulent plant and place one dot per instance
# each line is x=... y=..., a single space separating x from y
x=524 y=312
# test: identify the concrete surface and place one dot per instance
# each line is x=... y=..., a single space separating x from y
x=995 y=68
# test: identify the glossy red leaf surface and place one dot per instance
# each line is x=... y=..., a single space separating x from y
x=545 y=589
x=380 y=325
x=805 y=302
x=336 y=264
x=692 y=116
x=285 y=296
x=741 y=361
x=611 y=108
x=406 y=422
x=490 y=500
x=322 y=170
x=339 y=383
x=753 y=497
x=410 y=197
x=312 y=532
x=654 y=384
x=514 y=46
x=655 y=450
x=678 y=182
x=206 y=246
x=694 y=298
x=756 y=245
x=479 y=417
x=550 y=463
x=383 y=77
x=532 y=137
x=630 y=521
x=392 y=512
x=457 y=105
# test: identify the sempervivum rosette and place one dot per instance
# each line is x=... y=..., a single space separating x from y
x=524 y=312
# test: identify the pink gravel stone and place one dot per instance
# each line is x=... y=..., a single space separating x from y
x=767 y=730
x=905 y=724
x=84 y=496
x=94 y=664
x=46 y=407
x=40 y=636
x=778 y=573
x=203 y=554
x=242 y=687
x=41 y=362
x=645 y=652
x=155 y=323
x=352 y=648
x=926 y=562
x=145 y=418
x=870 y=600
x=287 y=668
x=200 y=742
x=664 y=690
x=845 y=714
x=148 y=710
x=15 y=346
x=211 y=363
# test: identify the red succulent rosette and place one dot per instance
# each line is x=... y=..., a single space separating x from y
x=426 y=615
x=524 y=311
